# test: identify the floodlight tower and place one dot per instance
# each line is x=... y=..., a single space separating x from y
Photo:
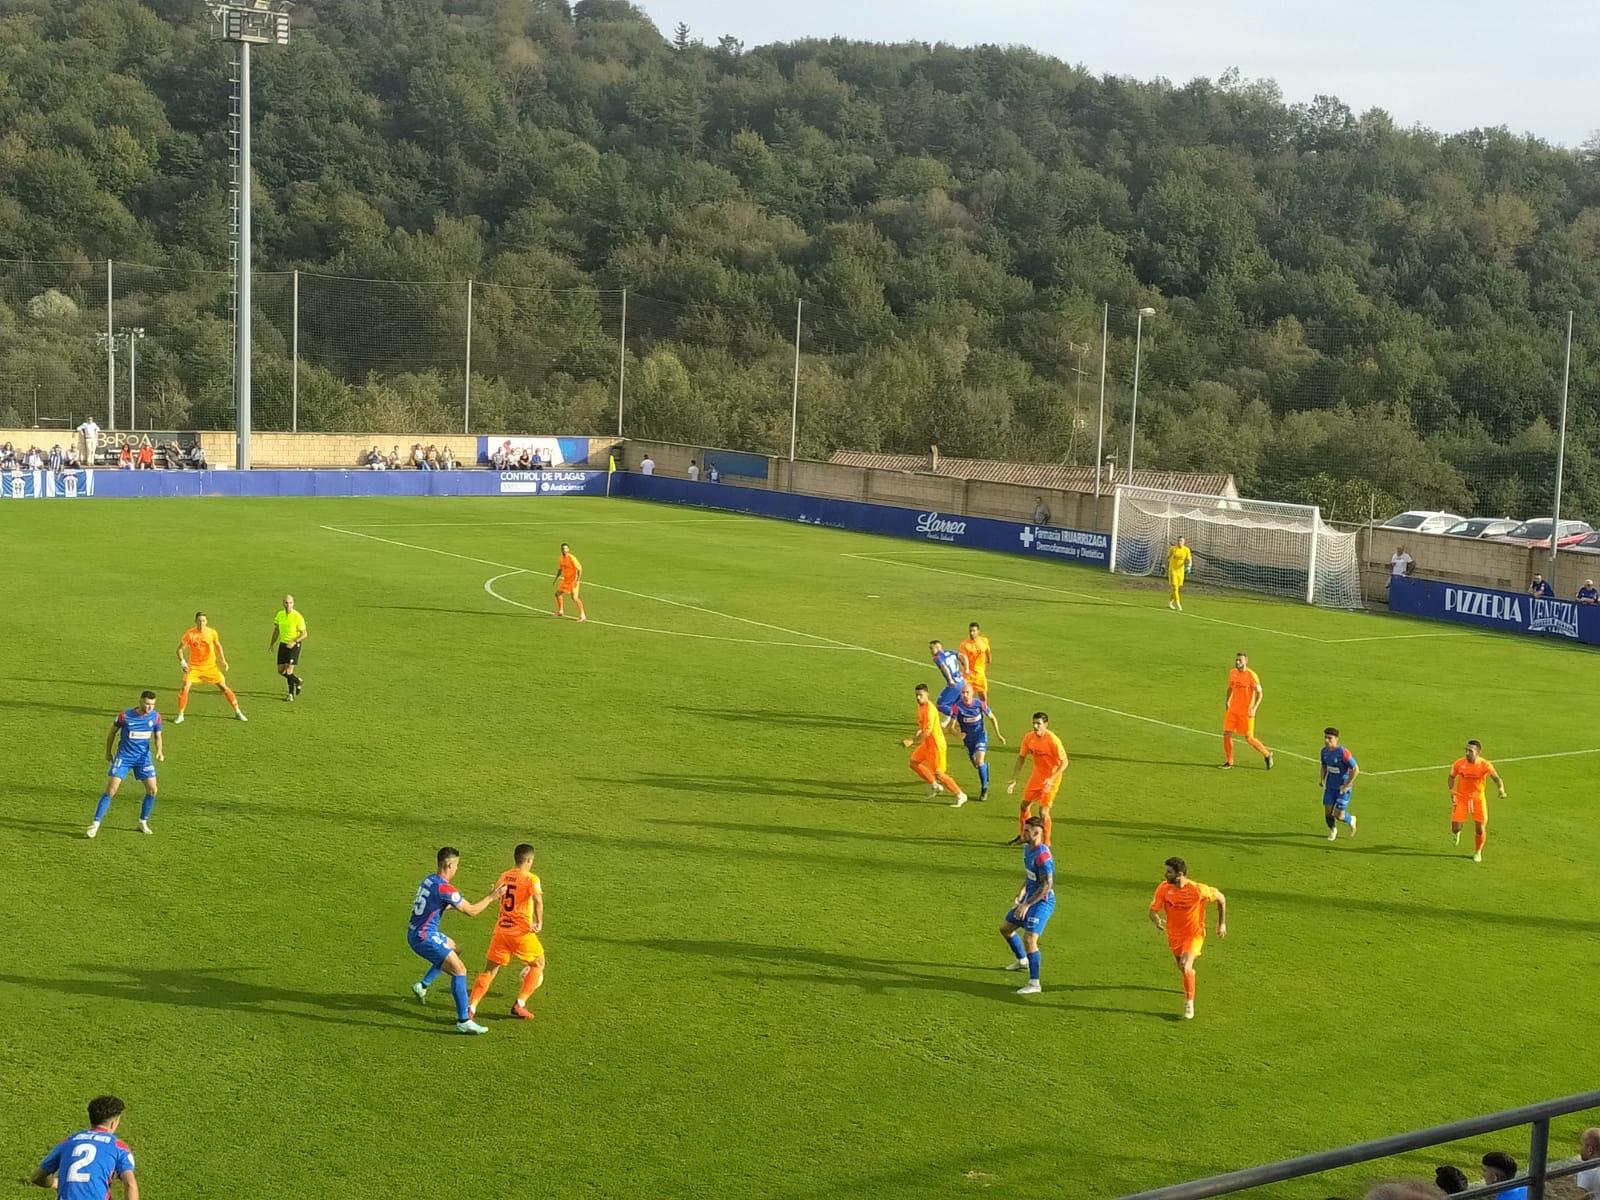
x=245 y=23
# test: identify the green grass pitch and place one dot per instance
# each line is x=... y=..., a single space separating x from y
x=773 y=962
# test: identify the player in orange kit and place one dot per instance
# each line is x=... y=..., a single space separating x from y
x=1049 y=765
x=200 y=651
x=1243 y=698
x=516 y=934
x=976 y=655
x=1467 y=799
x=1179 y=910
x=930 y=751
x=569 y=574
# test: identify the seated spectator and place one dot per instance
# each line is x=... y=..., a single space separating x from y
x=57 y=459
x=447 y=460
x=372 y=460
x=1588 y=594
x=1498 y=1166
x=1589 y=1152
x=498 y=459
x=1450 y=1180
x=1541 y=588
x=74 y=459
x=1041 y=514
x=712 y=474
x=175 y=458
x=197 y=457
x=35 y=460
x=147 y=457
x=8 y=457
x=522 y=459
x=508 y=453
x=535 y=462
x=125 y=459
x=431 y=457
x=394 y=458
x=647 y=465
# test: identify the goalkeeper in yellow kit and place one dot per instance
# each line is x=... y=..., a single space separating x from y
x=1179 y=563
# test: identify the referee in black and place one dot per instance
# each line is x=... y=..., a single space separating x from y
x=288 y=634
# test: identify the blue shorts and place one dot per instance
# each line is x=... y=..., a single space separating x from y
x=435 y=948
x=1037 y=917
x=975 y=745
x=1332 y=799
x=142 y=766
x=947 y=698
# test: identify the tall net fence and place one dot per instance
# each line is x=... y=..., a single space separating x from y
x=1352 y=418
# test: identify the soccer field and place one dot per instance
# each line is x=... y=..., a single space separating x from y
x=774 y=969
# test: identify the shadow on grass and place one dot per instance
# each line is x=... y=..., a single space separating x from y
x=1090 y=756
x=217 y=989
x=782 y=718
x=57 y=828
x=80 y=710
x=501 y=611
x=877 y=976
x=1311 y=839
x=812 y=832
x=757 y=788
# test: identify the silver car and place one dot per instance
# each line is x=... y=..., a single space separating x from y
x=1483 y=527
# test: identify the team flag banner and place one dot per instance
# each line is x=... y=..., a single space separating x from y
x=46 y=485
x=551 y=451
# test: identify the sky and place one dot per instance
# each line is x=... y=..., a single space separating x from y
x=1450 y=65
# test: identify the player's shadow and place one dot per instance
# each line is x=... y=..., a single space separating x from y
x=1309 y=840
x=216 y=989
x=58 y=828
x=810 y=832
x=778 y=718
x=79 y=710
x=1090 y=756
x=756 y=788
x=877 y=976
x=498 y=611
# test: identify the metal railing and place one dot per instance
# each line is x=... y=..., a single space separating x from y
x=1539 y=1172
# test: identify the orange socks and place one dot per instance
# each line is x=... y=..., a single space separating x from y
x=1227 y=748
x=1046 y=826
x=1259 y=747
x=532 y=977
x=949 y=785
x=232 y=699
x=923 y=771
x=480 y=988
x=1188 y=985
x=1478 y=839
x=183 y=699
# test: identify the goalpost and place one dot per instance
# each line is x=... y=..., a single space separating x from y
x=1257 y=545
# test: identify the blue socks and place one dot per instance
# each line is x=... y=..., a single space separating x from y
x=1346 y=818
x=458 y=988
x=103 y=807
x=983 y=775
x=1015 y=942
x=433 y=973
x=1033 y=966
x=147 y=807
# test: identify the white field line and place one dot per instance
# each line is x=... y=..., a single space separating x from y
x=563 y=522
x=824 y=642
x=488 y=586
x=1042 y=587
x=1496 y=759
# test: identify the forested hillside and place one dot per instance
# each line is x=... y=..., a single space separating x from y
x=1338 y=299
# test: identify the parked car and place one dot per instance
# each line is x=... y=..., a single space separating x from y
x=1589 y=545
x=1422 y=521
x=1537 y=533
x=1483 y=527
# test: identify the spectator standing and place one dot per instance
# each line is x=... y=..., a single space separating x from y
x=1450 y=1180
x=712 y=474
x=1540 y=588
x=1498 y=1166
x=57 y=459
x=694 y=471
x=1400 y=564
x=1588 y=594
x=1041 y=514
x=90 y=433
x=647 y=466
x=1589 y=1152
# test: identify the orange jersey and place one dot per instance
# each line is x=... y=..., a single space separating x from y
x=1185 y=909
x=516 y=906
x=1470 y=777
x=569 y=566
x=201 y=645
x=1242 y=685
x=1047 y=750
x=975 y=656
x=928 y=723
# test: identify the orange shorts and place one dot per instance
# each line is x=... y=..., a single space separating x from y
x=1240 y=723
x=203 y=674
x=1184 y=946
x=504 y=946
x=567 y=588
x=931 y=753
x=980 y=687
x=1037 y=793
x=1462 y=807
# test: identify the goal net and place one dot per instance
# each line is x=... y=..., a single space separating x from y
x=1257 y=545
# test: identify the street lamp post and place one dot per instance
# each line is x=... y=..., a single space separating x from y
x=1133 y=415
x=134 y=336
x=245 y=23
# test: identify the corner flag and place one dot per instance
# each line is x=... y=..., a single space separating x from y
x=611 y=469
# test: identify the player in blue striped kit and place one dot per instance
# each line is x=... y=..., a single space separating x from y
x=132 y=744
x=1339 y=771
x=970 y=712
x=1034 y=904
x=950 y=670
